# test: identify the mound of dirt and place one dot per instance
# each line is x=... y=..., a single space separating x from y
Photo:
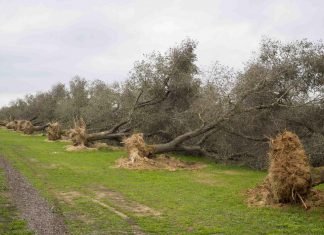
x=160 y=162
x=289 y=175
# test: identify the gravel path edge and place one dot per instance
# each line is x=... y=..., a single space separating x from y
x=32 y=206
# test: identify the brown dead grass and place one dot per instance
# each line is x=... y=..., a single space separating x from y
x=90 y=147
x=289 y=176
x=69 y=197
x=261 y=196
x=207 y=179
x=51 y=166
x=117 y=199
x=159 y=162
x=79 y=148
x=232 y=172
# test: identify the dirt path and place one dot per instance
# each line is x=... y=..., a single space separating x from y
x=35 y=209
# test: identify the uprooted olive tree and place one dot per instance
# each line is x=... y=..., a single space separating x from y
x=24 y=126
x=53 y=131
x=289 y=177
x=221 y=113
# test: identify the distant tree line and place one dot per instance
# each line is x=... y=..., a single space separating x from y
x=221 y=113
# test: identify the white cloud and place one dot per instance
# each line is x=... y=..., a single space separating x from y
x=20 y=19
x=285 y=12
x=44 y=42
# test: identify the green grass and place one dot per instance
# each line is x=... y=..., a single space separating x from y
x=205 y=201
x=10 y=223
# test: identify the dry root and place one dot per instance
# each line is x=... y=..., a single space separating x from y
x=289 y=174
x=160 y=162
x=261 y=196
x=289 y=171
x=54 y=131
x=27 y=127
x=21 y=125
x=78 y=134
x=11 y=124
x=136 y=147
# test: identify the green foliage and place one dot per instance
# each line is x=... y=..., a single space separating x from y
x=279 y=88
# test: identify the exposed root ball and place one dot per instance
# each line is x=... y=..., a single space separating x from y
x=160 y=162
x=289 y=171
x=78 y=134
x=3 y=123
x=27 y=127
x=138 y=157
x=136 y=147
x=19 y=124
x=54 y=131
x=11 y=124
x=289 y=174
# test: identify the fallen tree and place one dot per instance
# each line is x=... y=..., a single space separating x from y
x=80 y=137
x=139 y=157
x=11 y=124
x=289 y=178
x=24 y=126
x=53 y=131
x=3 y=123
x=202 y=133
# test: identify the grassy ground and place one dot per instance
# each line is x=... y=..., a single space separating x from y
x=205 y=201
x=10 y=223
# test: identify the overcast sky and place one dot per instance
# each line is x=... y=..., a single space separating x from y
x=45 y=42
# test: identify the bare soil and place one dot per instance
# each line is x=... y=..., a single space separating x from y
x=118 y=205
x=41 y=217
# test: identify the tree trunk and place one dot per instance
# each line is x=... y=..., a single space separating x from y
x=40 y=128
x=106 y=135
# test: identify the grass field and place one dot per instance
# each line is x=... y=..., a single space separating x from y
x=96 y=198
